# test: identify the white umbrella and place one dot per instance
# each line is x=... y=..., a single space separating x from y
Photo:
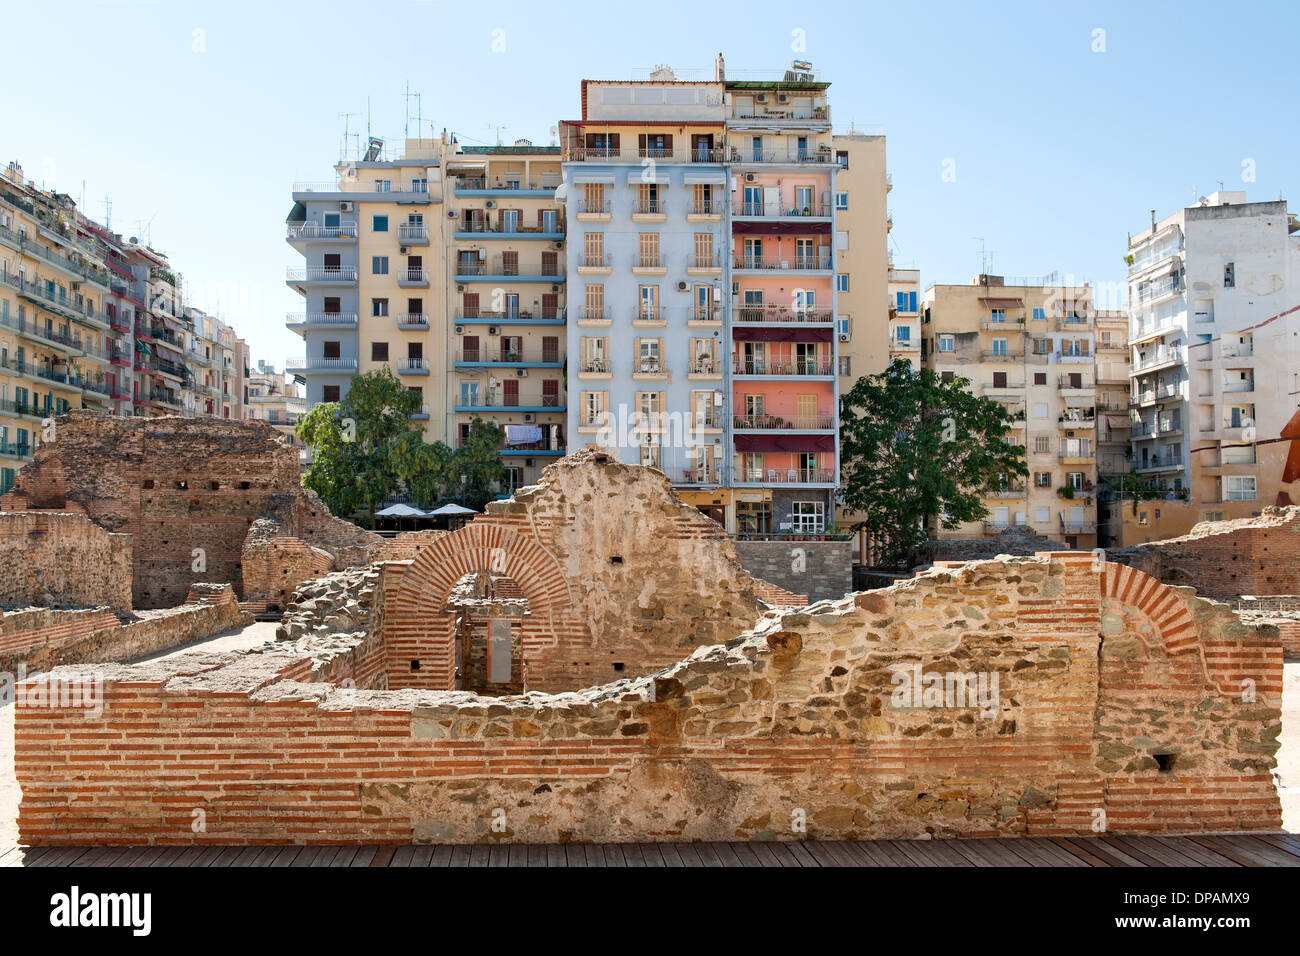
x=400 y=511
x=452 y=509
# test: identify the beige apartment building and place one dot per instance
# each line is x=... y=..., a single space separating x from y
x=1033 y=349
x=445 y=265
x=865 y=288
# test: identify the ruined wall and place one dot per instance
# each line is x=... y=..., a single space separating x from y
x=274 y=567
x=1225 y=559
x=620 y=577
x=187 y=490
x=39 y=639
x=817 y=569
x=407 y=545
x=63 y=560
x=1093 y=677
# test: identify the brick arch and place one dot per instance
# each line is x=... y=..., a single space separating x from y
x=1161 y=604
x=478 y=546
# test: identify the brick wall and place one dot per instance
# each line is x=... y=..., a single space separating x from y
x=1224 y=559
x=63 y=559
x=816 y=569
x=1117 y=698
x=39 y=639
x=273 y=569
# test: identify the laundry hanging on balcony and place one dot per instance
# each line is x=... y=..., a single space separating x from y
x=523 y=434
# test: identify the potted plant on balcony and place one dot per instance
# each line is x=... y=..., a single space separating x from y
x=1065 y=491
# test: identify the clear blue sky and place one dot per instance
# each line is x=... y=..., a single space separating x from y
x=1059 y=150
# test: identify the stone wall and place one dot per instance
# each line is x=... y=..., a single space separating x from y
x=407 y=545
x=1225 y=559
x=63 y=560
x=1107 y=696
x=1017 y=542
x=817 y=569
x=187 y=491
x=39 y=639
x=621 y=578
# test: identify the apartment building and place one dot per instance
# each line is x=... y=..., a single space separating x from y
x=1215 y=360
x=646 y=189
x=904 y=311
x=876 y=305
x=445 y=265
x=278 y=399
x=1030 y=347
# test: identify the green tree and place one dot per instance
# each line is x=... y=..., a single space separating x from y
x=916 y=452
x=425 y=468
x=332 y=471
x=478 y=459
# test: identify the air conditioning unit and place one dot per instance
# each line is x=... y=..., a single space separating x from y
x=460 y=288
x=555 y=287
x=345 y=206
x=491 y=204
x=844 y=336
x=751 y=177
x=521 y=372
x=760 y=98
x=557 y=244
x=682 y=286
x=529 y=416
x=451 y=214
x=492 y=330
x=460 y=330
x=783 y=98
x=402 y=250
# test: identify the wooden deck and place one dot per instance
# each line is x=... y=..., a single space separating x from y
x=1273 y=849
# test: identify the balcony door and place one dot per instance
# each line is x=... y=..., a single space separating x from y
x=510 y=392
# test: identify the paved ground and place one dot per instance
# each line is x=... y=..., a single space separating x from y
x=1033 y=852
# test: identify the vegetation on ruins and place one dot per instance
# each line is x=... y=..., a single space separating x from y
x=367 y=448
x=916 y=452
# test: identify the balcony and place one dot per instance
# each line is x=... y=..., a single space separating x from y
x=413 y=278
x=480 y=270
x=475 y=402
x=1152 y=291
x=1010 y=327
x=321 y=276
x=320 y=320
x=705 y=209
x=1066 y=384
x=337 y=366
x=781 y=315
x=818 y=156
x=545 y=316
x=315 y=232
x=599 y=264
x=767 y=423
x=992 y=355
x=649 y=210
x=597 y=211
x=509 y=231
x=523 y=358
x=10 y=449
x=1082 y=418
x=780 y=211
x=764 y=367
x=77 y=268
x=595 y=318
x=413 y=321
x=1142 y=431
x=787 y=476
x=1073 y=323
x=997 y=527
x=810 y=263
x=1083 y=527
x=704 y=367
x=1157 y=464
x=649 y=263
x=703 y=264
x=595 y=368
x=413 y=233
x=412 y=366
x=644 y=316
x=479 y=186
x=1158 y=359
x=1007 y=491
x=1074 y=358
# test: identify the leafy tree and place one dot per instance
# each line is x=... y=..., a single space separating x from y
x=366 y=446
x=916 y=452
x=479 y=459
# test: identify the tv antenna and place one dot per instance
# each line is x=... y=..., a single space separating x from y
x=144 y=228
x=108 y=214
x=498 y=130
x=986 y=258
x=419 y=119
x=347 y=134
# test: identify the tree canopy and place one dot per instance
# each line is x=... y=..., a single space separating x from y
x=367 y=447
x=916 y=452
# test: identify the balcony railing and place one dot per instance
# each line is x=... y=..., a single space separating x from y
x=413 y=320
x=504 y=269
x=787 y=476
x=1154 y=290
x=544 y=314
x=644 y=260
x=595 y=366
x=647 y=366
x=412 y=232
x=650 y=207
x=705 y=207
x=510 y=401
x=819 y=422
x=331 y=320
x=317 y=364
x=766 y=210
x=1159 y=357
x=815 y=262
x=740 y=155
x=1007 y=491
x=768 y=367
x=322 y=274
x=412 y=366
x=533 y=185
x=598 y=208
x=780 y=314
x=508 y=229
x=488 y=356
x=1064 y=381
x=603 y=260
x=314 y=230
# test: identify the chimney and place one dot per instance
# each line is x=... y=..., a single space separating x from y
x=15 y=173
x=445 y=140
x=1153 y=220
x=719 y=69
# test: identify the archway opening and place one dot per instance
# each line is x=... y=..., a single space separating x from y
x=490 y=610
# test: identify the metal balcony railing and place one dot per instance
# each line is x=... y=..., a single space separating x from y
x=822 y=421
x=598 y=208
x=781 y=314
x=769 y=367
x=705 y=207
x=650 y=207
x=509 y=356
x=643 y=313
x=412 y=232
x=479 y=226
x=413 y=320
x=815 y=262
x=505 y=269
x=322 y=274
x=314 y=230
x=602 y=260
x=337 y=320
x=323 y=364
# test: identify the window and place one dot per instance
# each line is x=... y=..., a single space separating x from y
x=469 y=393
x=1239 y=488
x=648 y=249
x=379 y=265
x=704 y=250
x=593 y=407
x=999 y=346
x=845 y=366
x=808 y=517
x=330 y=393
x=379 y=307
x=947 y=375
x=1075 y=480
x=1042 y=479
x=842 y=282
x=903 y=333
x=1042 y=515
x=331 y=350
x=997 y=315
x=1230 y=280
x=1039 y=313
x=841 y=200
x=947 y=343
x=383 y=185
x=379 y=224
x=379 y=351
x=1040 y=409
x=1040 y=378
x=420 y=185
x=905 y=301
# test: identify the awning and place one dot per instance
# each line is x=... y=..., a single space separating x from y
x=788 y=443
x=704 y=179
x=1003 y=303
x=583 y=176
x=452 y=509
x=400 y=511
x=783 y=226
x=747 y=334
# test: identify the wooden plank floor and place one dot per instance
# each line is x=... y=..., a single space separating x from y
x=1271 y=849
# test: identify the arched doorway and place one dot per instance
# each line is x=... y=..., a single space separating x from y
x=490 y=611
